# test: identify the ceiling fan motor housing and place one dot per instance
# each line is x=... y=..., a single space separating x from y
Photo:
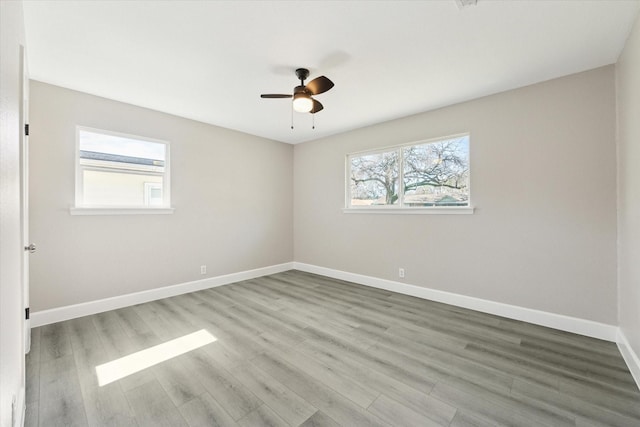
x=302 y=74
x=301 y=89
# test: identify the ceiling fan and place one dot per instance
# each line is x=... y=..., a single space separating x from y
x=303 y=101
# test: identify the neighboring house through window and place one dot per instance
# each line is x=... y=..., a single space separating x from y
x=118 y=171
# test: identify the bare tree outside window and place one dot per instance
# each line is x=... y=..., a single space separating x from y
x=431 y=174
x=437 y=174
x=374 y=178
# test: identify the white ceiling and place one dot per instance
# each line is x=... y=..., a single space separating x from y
x=210 y=60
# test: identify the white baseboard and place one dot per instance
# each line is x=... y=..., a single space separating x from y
x=630 y=357
x=557 y=321
x=45 y=317
x=552 y=320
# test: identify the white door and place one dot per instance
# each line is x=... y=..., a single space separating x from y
x=24 y=194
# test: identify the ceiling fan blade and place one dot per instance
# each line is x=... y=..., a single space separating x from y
x=319 y=85
x=317 y=106
x=275 y=95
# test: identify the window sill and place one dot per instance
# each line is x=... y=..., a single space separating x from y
x=412 y=211
x=120 y=211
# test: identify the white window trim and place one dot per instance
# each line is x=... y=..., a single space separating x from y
x=110 y=210
x=426 y=210
x=80 y=209
x=399 y=209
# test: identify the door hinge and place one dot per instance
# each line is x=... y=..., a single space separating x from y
x=26 y=313
x=26 y=129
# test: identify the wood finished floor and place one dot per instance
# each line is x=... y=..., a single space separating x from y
x=296 y=349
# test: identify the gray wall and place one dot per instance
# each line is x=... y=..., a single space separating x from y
x=543 y=180
x=232 y=195
x=11 y=292
x=628 y=96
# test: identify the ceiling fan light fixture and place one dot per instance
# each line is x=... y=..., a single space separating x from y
x=302 y=102
x=302 y=97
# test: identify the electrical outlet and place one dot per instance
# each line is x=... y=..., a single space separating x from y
x=203 y=269
x=401 y=273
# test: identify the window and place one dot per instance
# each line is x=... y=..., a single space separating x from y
x=427 y=175
x=121 y=172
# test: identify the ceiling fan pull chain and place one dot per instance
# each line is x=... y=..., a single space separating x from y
x=292 y=115
x=313 y=123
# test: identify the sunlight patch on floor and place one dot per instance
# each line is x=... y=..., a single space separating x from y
x=136 y=362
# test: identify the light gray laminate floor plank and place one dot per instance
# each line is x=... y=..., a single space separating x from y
x=54 y=341
x=284 y=402
x=442 y=364
x=153 y=408
x=263 y=324
x=178 y=380
x=392 y=412
x=32 y=362
x=500 y=407
x=314 y=317
x=469 y=363
x=132 y=323
x=320 y=419
x=262 y=416
x=342 y=410
x=240 y=338
x=205 y=411
x=234 y=397
x=60 y=402
x=272 y=318
x=297 y=349
x=331 y=377
x=381 y=383
x=105 y=405
x=249 y=291
x=420 y=380
x=32 y=379
x=580 y=361
x=596 y=411
x=605 y=397
x=31 y=415
x=118 y=344
x=463 y=419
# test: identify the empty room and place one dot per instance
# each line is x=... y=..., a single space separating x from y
x=320 y=213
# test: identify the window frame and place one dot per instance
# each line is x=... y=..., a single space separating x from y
x=399 y=208
x=80 y=208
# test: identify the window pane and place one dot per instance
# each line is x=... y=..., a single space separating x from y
x=437 y=173
x=121 y=146
x=121 y=171
x=113 y=188
x=374 y=179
